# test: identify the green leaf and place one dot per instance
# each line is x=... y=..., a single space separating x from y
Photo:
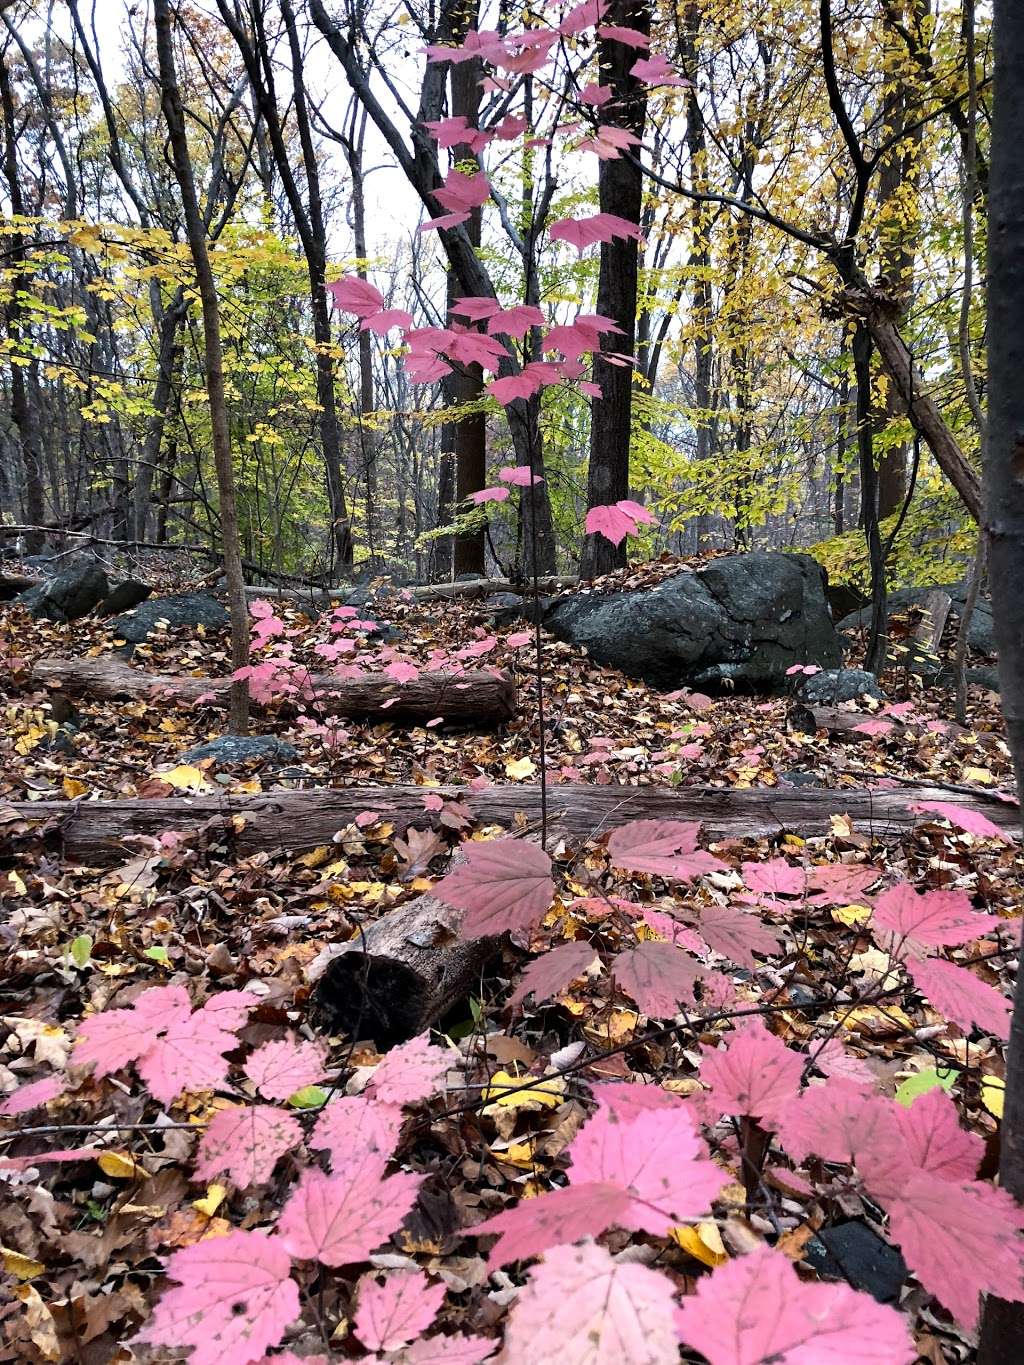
x=81 y=949
x=920 y=1084
x=309 y=1097
x=156 y=954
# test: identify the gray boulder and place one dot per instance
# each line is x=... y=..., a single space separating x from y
x=68 y=595
x=123 y=596
x=980 y=637
x=229 y=749
x=181 y=609
x=834 y=685
x=742 y=620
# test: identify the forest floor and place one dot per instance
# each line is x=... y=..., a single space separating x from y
x=84 y=1246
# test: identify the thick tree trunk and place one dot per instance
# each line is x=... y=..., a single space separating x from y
x=221 y=434
x=1002 y=1334
x=478 y=698
x=621 y=193
x=169 y=353
x=93 y=832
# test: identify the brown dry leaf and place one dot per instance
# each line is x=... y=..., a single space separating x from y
x=41 y=1326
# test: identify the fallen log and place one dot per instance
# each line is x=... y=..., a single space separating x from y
x=850 y=725
x=400 y=975
x=13 y=584
x=478 y=698
x=424 y=592
x=93 y=832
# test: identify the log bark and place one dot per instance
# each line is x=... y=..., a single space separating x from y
x=426 y=592
x=400 y=975
x=477 y=698
x=93 y=832
x=844 y=724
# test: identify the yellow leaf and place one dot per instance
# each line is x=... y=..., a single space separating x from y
x=851 y=914
x=992 y=1092
x=211 y=1201
x=879 y=1023
x=120 y=1165
x=703 y=1243
x=72 y=787
x=316 y=857
x=516 y=1154
x=186 y=777
x=41 y=1326
x=981 y=775
x=520 y=768
x=20 y=1266
x=538 y=1094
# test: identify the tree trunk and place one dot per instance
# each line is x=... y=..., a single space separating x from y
x=168 y=355
x=874 y=660
x=170 y=97
x=1002 y=1333
x=620 y=182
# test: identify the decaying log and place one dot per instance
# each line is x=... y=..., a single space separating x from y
x=478 y=698
x=403 y=973
x=12 y=584
x=846 y=725
x=424 y=592
x=93 y=832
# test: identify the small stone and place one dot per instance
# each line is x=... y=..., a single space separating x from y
x=834 y=685
x=230 y=749
x=853 y=1252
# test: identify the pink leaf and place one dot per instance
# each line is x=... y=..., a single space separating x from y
x=342 y=1218
x=642 y=515
x=31 y=1096
x=533 y=1226
x=583 y=16
x=874 y=728
x=396 y=1311
x=960 y=996
x=350 y=294
x=483 y=495
x=600 y=227
x=776 y=877
x=836 y=1061
x=757 y=1309
x=550 y=973
x=935 y=1141
x=611 y=523
x=519 y=638
x=462 y=192
x=402 y=671
x=233 y=1300
x=626 y=1100
x=503 y=884
x=659 y=977
x=631 y=37
x=581 y=1307
x=934 y=919
x=412 y=1072
x=245 y=1143
x=515 y=322
x=961 y=1240
x=381 y=323
x=515 y=386
x=365 y=818
x=839 y=883
x=476 y=308
x=658 y=1157
x=518 y=475
x=755 y=1076
x=971 y=821
x=839 y=1121
x=666 y=848
x=595 y=95
x=453 y=1350
x=736 y=935
x=656 y=71
x=353 y=1124
x=278 y=1069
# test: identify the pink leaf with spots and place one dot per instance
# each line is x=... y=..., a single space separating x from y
x=533 y=1226
x=659 y=976
x=397 y=1310
x=31 y=1096
x=970 y=821
x=960 y=996
x=550 y=973
x=757 y=1309
x=234 y=1298
x=412 y=1072
x=581 y=1307
x=502 y=884
x=353 y=1124
x=775 y=878
x=755 y=1075
x=935 y=1141
x=933 y=919
x=342 y=1218
x=245 y=1143
x=840 y=1121
x=453 y=1350
x=961 y=1240
x=836 y=1061
x=657 y=1157
x=278 y=1069
x=736 y=935
x=839 y=883
x=626 y=1100
x=667 y=848
x=350 y=294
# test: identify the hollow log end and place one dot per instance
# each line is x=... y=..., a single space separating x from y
x=370 y=997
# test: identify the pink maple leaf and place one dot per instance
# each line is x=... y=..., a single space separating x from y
x=960 y=996
x=840 y=1121
x=642 y=515
x=397 y=1310
x=667 y=848
x=365 y=818
x=515 y=386
x=515 y=322
x=776 y=877
x=961 y=1240
x=533 y=1226
x=342 y=1218
x=960 y=817
x=402 y=671
x=756 y=1075
x=584 y=232
x=834 y=1059
x=354 y=1124
x=381 y=323
x=519 y=475
x=476 y=308
x=873 y=728
x=757 y=1309
x=583 y=16
x=659 y=977
x=581 y=1306
x=550 y=973
x=482 y=495
x=657 y=70
x=838 y=883
x=31 y=1096
x=245 y=1143
x=519 y=638
x=595 y=95
x=449 y=1350
x=672 y=931
x=351 y=294
x=657 y=1157
x=625 y=1100
x=462 y=192
x=412 y=1072
x=631 y=37
x=502 y=884
x=234 y=1299
x=932 y=919
x=935 y=1141
x=611 y=523
x=736 y=934
x=278 y=1069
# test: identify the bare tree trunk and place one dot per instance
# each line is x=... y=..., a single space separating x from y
x=877 y=641
x=621 y=192
x=170 y=97
x=1002 y=1332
